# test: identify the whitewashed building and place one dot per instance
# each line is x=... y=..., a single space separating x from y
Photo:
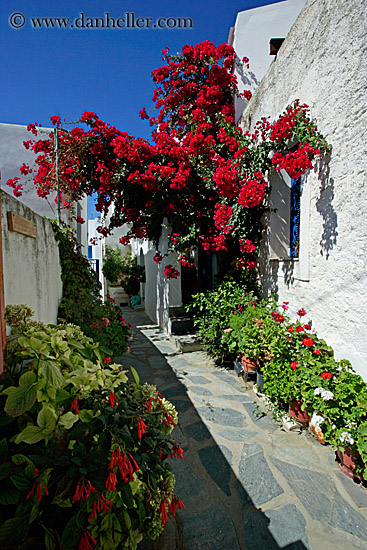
x=323 y=63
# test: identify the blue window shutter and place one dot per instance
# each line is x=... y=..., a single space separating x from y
x=295 y=217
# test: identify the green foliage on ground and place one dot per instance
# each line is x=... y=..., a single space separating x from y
x=81 y=302
x=83 y=456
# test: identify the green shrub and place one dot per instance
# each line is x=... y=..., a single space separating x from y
x=82 y=450
x=81 y=303
x=112 y=264
x=212 y=310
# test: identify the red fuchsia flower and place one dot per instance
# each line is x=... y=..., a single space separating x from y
x=113 y=399
x=100 y=504
x=37 y=487
x=111 y=481
x=295 y=365
x=177 y=451
x=317 y=351
x=300 y=329
x=163 y=512
x=307 y=342
x=107 y=360
x=83 y=490
x=142 y=427
x=327 y=375
x=148 y=404
x=87 y=541
x=176 y=504
x=74 y=405
x=301 y=312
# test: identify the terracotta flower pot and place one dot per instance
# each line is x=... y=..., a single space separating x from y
x=296 y=412
x=315 y=426
x=348 y=461
x=249 y=365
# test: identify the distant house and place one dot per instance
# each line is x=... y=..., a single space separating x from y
x=12 y=155
x=32 y=272
x=321 y=265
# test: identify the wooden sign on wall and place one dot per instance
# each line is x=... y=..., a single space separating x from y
x=21 y=225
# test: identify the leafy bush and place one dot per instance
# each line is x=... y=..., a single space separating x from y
x=81 y=303
x=82 y=450
x=212 y=310
x=112 y=264
x=132 y=275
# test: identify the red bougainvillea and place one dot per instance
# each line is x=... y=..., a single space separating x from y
x=200 y=172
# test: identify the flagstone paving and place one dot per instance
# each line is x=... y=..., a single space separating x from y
x=245 y=482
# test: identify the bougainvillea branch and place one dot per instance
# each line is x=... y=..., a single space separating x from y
x=201 y=173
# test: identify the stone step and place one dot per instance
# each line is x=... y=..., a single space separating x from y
x=186 y=343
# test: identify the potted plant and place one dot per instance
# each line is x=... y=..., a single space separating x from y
x=341 y=398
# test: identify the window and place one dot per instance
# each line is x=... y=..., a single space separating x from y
x=295 y=217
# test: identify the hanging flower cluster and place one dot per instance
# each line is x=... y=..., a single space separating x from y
x=201 y=172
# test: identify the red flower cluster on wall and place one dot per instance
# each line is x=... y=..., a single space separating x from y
x=200 y=172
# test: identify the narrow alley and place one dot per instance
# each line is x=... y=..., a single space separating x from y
x=245 y=482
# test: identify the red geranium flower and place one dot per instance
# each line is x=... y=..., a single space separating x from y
x=327 y=375
x=307 y=342
x=301 y=312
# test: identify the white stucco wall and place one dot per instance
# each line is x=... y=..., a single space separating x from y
x=323 y=62
x=12 y=155
x=160 y=293
x=32 y=273
x=252 y=33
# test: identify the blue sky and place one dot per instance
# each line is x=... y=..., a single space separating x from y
x=68 y=71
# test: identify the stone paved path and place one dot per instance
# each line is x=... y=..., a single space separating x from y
x=245 y=482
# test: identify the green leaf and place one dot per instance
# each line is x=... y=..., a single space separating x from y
x=63 y=503
x=72 y=533
x=51 y=371
x=86 y=415
x=21 y=399
x=135 y=375
x=62 y=396
x=14 y=531
x=9 y=495
x=50 y=539
x=47 y=419
x=30 y=434
x=68 y=420
x=6 y=470
x=3 y=449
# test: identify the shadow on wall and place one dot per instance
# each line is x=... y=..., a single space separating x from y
x=267 y=270
x=288 y=273
x=325 y=208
